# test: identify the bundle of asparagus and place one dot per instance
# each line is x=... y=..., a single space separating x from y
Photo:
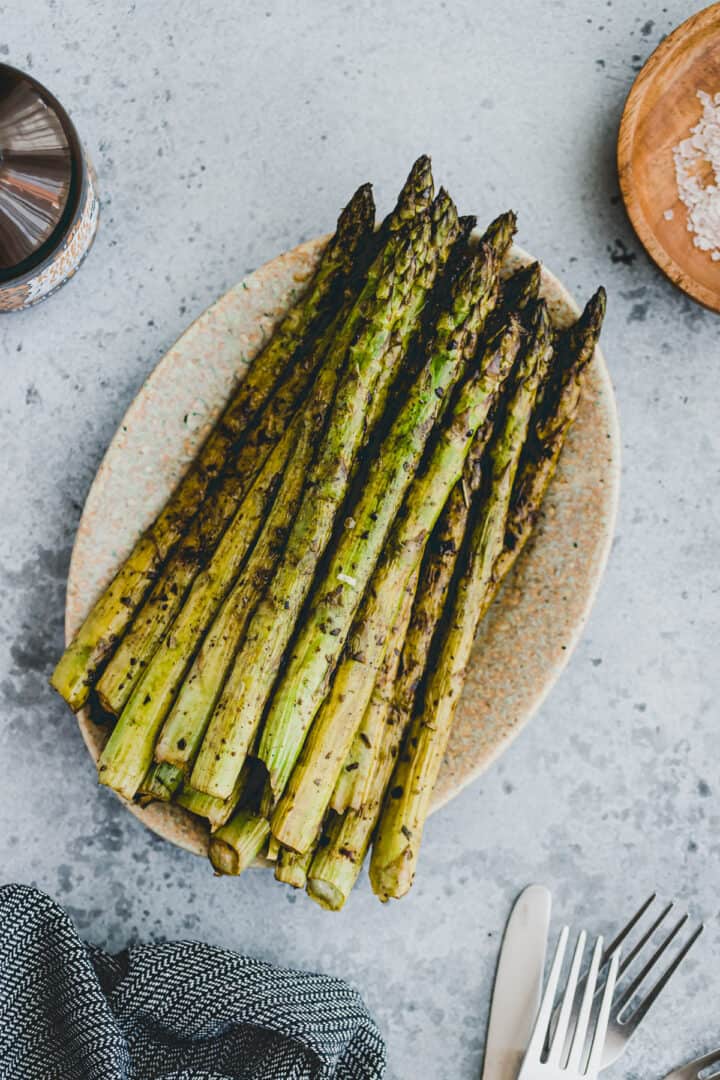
x=284 y=649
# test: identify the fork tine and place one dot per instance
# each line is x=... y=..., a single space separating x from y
x=617 y=941
x=561 y=1028
x=598 y=1043
x=642 y=1009
x=628 y=959
x=581 y=1029
x=632 y=989
x=537 y=1041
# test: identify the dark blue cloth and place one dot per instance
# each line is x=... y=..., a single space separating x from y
x=176 y=1011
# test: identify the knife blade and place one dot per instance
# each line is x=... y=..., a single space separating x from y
x=518 y=984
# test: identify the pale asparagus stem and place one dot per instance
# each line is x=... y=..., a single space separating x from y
x=273 y=848
x=112 y=611
x=292 y=868
x=351 y=790
x=217 y=812
x=235 y=846
x=129 y=750
x=187 y=720
x=358 y=768
x=152 y=620
x=337 y=594
x=256 y=664
x=161 y=783
x=301 y=808
x=395 y=850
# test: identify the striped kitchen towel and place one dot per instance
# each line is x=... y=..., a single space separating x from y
x=177 y=1011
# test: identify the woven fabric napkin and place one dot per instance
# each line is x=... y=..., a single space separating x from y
x=175 y=1011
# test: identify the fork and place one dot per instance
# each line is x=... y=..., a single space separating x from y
x=693 y=1070
x=624 y=1020
x=556 y=1064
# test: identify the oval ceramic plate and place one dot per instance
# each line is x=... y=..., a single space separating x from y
x=660 y=111
x=529 y=634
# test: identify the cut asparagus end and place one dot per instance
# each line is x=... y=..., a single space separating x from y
x=291 y=868
x=161 y=783
x=327 y=895
x=392 y=880
x=235 y=846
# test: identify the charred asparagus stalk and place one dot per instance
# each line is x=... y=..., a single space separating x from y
x=337 y=595
x=301 y=808
x=229 y=736
x=358 y=768
x=110 y=615
x=396 y=846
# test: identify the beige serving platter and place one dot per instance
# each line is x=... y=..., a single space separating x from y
x=660 y=111
x=530 y=632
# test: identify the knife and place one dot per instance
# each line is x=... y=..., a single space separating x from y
x=518 y=984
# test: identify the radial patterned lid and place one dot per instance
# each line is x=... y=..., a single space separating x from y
x=37 y=169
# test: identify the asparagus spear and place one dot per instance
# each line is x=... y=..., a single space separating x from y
x=235 y=846
x=395 y=850
x=337 y=595
x=110 y=615
x=187 y=720
x=301 y=808
x=233 y=728
x=292 y=868
x=129 y=750
x=357 y=770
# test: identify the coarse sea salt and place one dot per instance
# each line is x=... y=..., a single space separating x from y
x=697 y=173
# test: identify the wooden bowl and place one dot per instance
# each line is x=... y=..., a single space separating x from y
x=660 y=111
x=530 y=631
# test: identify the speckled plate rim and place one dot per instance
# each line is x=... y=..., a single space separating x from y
x=172 y=822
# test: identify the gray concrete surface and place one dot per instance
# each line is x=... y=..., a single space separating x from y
x=224 y=133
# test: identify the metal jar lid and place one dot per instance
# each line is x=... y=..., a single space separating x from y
x=45 y=189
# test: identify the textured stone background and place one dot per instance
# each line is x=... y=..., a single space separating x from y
x=224 y=133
